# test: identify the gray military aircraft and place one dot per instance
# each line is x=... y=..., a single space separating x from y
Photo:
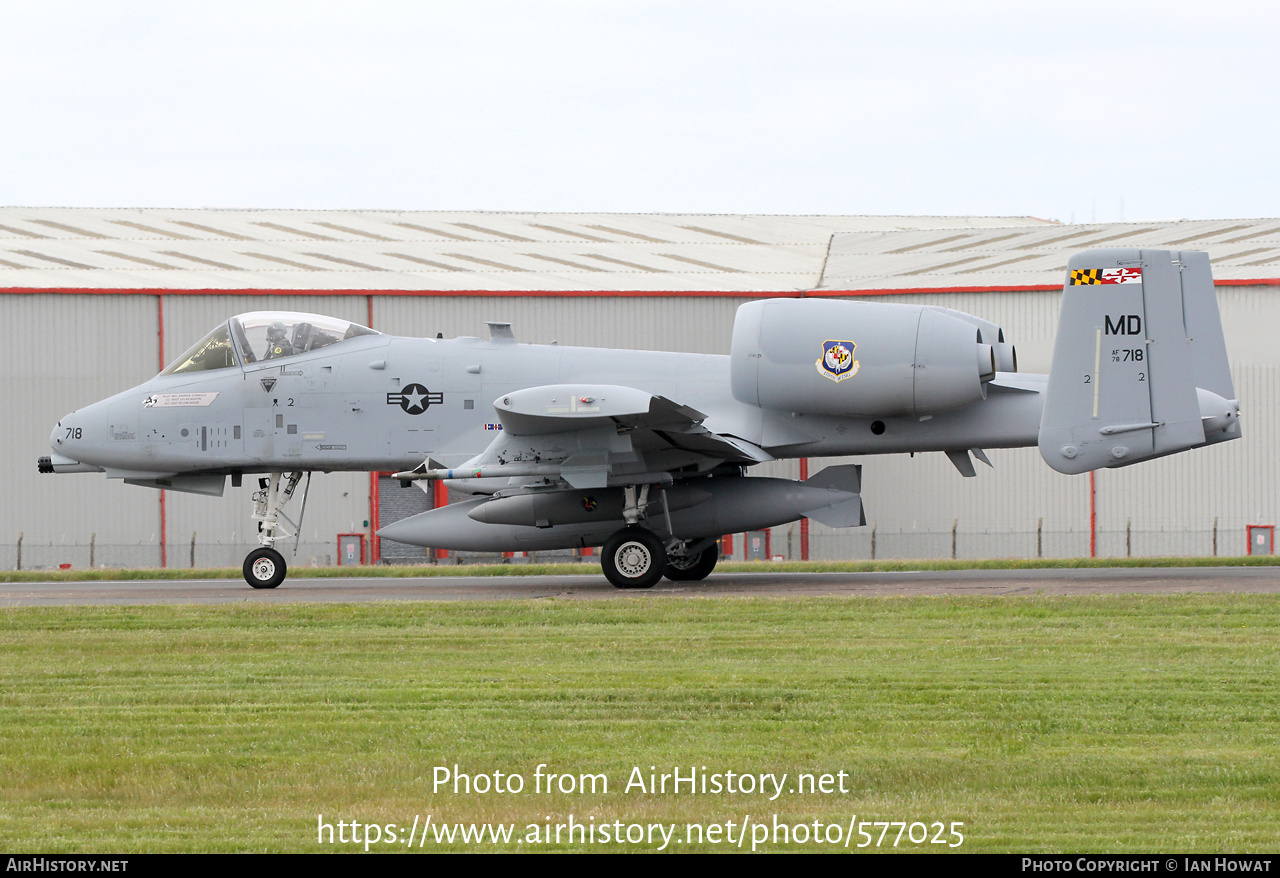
x=645 y=453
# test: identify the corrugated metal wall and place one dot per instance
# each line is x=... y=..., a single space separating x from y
x=697 y=324
x=68 y=350
x=63 y=352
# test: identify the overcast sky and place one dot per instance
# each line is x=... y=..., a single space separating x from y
x=1069 y=111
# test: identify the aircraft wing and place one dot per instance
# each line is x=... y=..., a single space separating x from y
x=596 y=435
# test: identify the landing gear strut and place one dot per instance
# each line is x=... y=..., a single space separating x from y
x=265 y=567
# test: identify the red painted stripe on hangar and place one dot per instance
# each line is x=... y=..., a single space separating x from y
x=599 y=294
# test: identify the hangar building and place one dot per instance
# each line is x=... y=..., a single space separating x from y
x=98 y=300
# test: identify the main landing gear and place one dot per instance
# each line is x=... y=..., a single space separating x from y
x=636 y=558
x=264 y=567
x=692 y=561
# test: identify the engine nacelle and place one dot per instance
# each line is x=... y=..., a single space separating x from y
x=873 y=359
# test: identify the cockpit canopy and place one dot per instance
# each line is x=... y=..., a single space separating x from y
x=264 y=335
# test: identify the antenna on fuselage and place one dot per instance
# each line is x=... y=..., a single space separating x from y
x=500 y=332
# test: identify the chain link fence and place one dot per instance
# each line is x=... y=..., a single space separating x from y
x=82 y=556
x=873 y=542
x=886 y=544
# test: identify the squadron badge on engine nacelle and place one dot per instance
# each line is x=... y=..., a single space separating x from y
x=837 y=362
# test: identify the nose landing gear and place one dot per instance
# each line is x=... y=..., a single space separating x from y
x=264 y=567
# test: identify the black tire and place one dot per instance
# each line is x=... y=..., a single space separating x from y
x=633 y=558
x=264 y=568
x=685 y=569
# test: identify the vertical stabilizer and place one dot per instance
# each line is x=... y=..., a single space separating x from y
x=1139 y=363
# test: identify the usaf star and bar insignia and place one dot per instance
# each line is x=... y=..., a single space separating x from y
x=837 y=362
x=1088 y=276
x=414 y=399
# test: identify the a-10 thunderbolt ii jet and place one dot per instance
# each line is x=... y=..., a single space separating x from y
x=645 y=452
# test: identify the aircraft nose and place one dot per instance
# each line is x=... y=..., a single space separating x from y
x=65 y=432
x=60 y=460
x=68 y=443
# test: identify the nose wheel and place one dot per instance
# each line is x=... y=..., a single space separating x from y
x=264 y=568
x=633 y=558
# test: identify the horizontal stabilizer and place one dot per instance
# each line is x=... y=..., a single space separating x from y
x=1016 y=383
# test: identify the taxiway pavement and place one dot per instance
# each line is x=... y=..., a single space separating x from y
x=592 y=586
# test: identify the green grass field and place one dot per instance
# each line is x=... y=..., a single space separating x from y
x=1043 y=724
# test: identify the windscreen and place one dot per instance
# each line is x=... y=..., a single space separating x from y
x=214 y=351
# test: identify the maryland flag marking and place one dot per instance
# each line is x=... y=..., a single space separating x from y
x=1081 y=276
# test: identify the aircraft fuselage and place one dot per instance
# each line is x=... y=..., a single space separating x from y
x=384 y=403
